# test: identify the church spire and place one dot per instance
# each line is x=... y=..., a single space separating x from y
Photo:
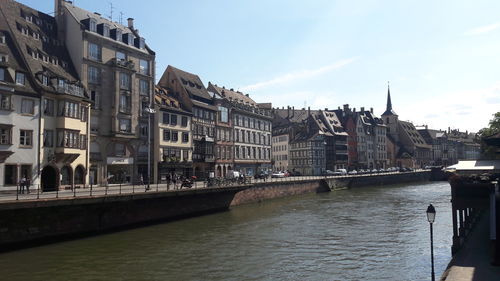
x=388 y=110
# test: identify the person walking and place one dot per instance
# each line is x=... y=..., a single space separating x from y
x=22 y=183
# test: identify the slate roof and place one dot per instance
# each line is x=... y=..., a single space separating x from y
x=164 y=99
x=232 y=95
x=82 y=15
x=413 y=134
x=13 y=54
x=191 y=83
x=53 y=58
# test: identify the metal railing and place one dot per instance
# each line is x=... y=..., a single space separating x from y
x=34 y=192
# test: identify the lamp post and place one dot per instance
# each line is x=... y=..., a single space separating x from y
x=431 y=215
x=150 y=111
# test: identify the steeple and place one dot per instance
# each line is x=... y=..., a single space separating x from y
x=388 y=110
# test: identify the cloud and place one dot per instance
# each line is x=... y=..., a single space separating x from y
x=482 y=29
x=298 y=75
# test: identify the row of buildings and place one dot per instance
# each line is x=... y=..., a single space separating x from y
x=79 y=105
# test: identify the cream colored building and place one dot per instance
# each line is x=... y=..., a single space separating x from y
x=117 y=69
x=173 y=140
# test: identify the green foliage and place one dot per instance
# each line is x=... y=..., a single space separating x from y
x=490 y=152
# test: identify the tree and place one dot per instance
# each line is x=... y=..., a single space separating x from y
x=490 y=151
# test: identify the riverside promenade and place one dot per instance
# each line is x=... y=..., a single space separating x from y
x=473 y=261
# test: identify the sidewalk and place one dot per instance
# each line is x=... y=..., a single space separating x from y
x=472 y=262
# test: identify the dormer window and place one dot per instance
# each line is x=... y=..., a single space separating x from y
x=105 y=30
x=121 y=56
x=93 y=25
x=44 y=79
x=2 y=39
x=142 y=43
x=119 y=35
x=36 y=36
x=20 y=78
x=130 y=39
x=28 y=18
x=2 y=74
x=4 y=58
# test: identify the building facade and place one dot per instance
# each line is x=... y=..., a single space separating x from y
x=251 y=130
x=117 y=69
x=173 y=138
x=54 y=125
x=194 y=97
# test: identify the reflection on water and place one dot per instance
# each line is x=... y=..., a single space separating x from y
x=376 y=233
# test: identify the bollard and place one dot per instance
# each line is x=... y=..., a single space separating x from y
x=90 y=190
x=38 y=192
x=133 y=188
x=17 y=192
x=57 y=192
x=106 y=191
x=120 y=191
x=74 y=191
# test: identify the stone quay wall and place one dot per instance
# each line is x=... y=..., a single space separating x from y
x=27 y=223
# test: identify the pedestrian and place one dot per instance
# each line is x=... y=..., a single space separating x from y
x=22 y=184
x=174 y=180
x=27 y=183
x=168 y=181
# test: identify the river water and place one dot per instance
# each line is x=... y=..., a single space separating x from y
x=372 y=233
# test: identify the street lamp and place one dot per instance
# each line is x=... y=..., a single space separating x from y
x=431 y=215
x=150 y=111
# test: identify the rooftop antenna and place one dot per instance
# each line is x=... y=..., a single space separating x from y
x=121 y=18
x=111 y=8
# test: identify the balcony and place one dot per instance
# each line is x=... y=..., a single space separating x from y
x=71 y=89
x=128 y=64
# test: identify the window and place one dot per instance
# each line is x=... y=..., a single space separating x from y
x=94 y=51
x=5 y=103
x=83 y=113
x=4 y=58
x=94 y=75
x=144 y=67
x=166 y=118
x=125 y=125
x=105 y=30
x=119 y=149
x=184 y=121
x=125 y=103
x=119 y=35
x=27 y=106
x=175 y=136
x=166 y=135
x=144 y=130
x=120 y=56
x=83 y=142
x=223 y=114
x=2 y=74
x=48 y=107
x=2 y=39
x=5 y=134
x=173 y=120
x=124 y=81
x=93 y=25
x=48 y=138
x=185 y=137
x=20 y=78
x=144 y=87
x=45 y=80
x=130 y=39
x=10 y=177
x=94 y=96
x=25 y=138
x=69 y=109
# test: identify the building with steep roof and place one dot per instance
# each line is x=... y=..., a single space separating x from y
x=53 y=130
x=247 y=126
x=172 y=137
x=408 y=141
x=194 y=97
x=117 y=68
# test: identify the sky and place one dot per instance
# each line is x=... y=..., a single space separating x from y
x=441 y=58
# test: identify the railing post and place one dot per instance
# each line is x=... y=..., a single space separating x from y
x=133 y=188
x=157 y=185
x=74 y=191
x=38 y=192
x=106 y=191
x=120 y=190
x=17 y=192
x=57 y=192
x=90 y=190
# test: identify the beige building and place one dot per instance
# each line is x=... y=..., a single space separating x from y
x=60 y=109
x=117 y=69
x=280 y=150
x=173 y=140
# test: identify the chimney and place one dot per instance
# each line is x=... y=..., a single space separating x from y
x=362 y=109
x=293 y=111
x=449 y=131
x=371 y=110
x=326 y=108
x=288 y=112
x=354 y=110
x=426 y=127
x=309 y=111
x=232 y=89
x=130 y=23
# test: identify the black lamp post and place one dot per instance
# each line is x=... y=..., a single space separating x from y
x=431 y=215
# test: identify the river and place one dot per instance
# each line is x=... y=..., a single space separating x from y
x=371 y=233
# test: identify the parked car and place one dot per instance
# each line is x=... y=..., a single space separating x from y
x=353 y=172
x=278 y=175
x=295 y=174
x=261 y=175
x=374 y=171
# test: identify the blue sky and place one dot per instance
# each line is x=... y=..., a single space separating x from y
x=441 y=57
